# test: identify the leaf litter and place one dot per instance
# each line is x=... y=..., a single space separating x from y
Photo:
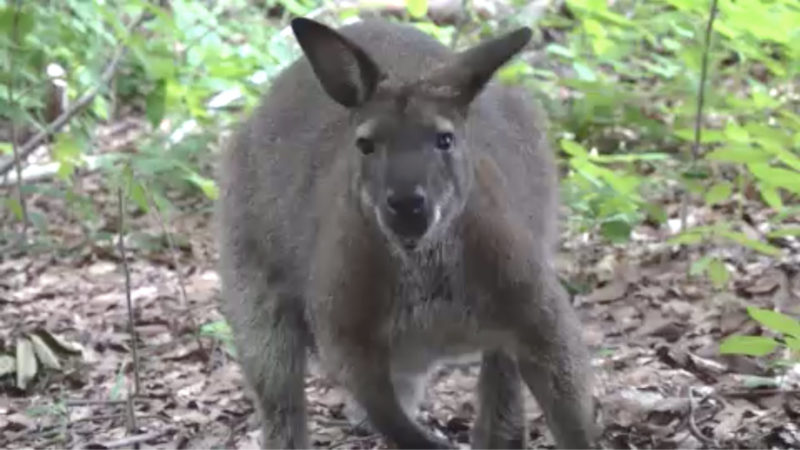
x=654 y=330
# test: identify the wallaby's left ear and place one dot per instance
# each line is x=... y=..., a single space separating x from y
x=465 y=77
x=347 y=74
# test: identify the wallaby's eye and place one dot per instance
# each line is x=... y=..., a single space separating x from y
x=444 y=140
x=365 y=145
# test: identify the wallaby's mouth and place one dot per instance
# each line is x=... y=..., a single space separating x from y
x=409 y=232
x=408 y=229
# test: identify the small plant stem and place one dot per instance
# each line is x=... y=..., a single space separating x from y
x=12 y=101
x=698 y=119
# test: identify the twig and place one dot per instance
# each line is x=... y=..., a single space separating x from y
x=461 y=23
x=172 y=248
x=76 y=107
x=136 y=439
x=693 y=423
x=698 y=119
x=12 y=102
x=79 y=402
x=131 y=327
x=758 y=392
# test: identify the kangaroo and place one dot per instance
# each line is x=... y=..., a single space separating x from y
x=386 y=208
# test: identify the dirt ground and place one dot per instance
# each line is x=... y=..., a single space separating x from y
x=654 y=331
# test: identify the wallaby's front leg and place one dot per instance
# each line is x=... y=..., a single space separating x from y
x=554 y=362
x=369 y=381
x=529 y=301
x=270 y=338
x=501 y=420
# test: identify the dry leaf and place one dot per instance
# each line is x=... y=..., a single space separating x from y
x=26 y=362
x=46 y=355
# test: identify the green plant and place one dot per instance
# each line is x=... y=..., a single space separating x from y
x=787 y=329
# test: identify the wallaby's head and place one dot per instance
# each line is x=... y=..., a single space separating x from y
x=414 y=165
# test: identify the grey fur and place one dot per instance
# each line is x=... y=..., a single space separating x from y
x=314 y=261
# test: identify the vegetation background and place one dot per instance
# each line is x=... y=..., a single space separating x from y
x=677 y=127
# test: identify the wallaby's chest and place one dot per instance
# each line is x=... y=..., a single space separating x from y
x=431 y=307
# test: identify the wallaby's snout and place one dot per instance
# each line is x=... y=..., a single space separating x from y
x=408 y=215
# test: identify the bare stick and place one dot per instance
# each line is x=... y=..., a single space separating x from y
x=136 y=439
x=131 y=327
x=172 y=248
x=78 y=106
x=698 y=119
x=693 y=422
x=17 y=163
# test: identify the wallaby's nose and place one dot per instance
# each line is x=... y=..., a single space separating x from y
x=412 y=204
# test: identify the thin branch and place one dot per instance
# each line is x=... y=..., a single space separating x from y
x=17 y=162
x=126 y=269
x=84 y=100
x=698 y=119
x=172 y=248
x=137 y=439
x=693 y=423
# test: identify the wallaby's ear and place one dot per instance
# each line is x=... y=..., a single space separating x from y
x=346 y=72
x=465 y=77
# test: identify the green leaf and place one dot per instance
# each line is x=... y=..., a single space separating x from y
x=748 y=345
x=699 y=266
x=24 y=19
x=15 y=207
x=784 y=178
x=67 y=152
x=573 y=148
x=719 y=192
x=6 y=148
x=139 y=196
x=718 y=273
x=417 y=8
x=616 y=230
x=155 y=103
x=792 y=342
x=735 y=133
x=775 y=321
x=513 y=72
x=770 y=195
x=738 y=154
x=784 y=232
x=560 y=50
x=687 y=237
x=208 y=186
x=742 y=239
x=583 y=71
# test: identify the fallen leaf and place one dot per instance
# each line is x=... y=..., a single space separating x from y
x=614 y=290
x=7 y=365
x=26 y=362
x=45 y=354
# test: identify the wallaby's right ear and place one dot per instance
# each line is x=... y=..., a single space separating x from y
x=346 y=72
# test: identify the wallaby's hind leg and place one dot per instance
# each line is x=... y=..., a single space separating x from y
x=555 y=366
x=501 y=419
x=271 y=348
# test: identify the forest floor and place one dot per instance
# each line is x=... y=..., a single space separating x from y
x=654 y=332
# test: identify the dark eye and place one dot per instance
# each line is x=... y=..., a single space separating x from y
x=365 y=145
x=444 y=141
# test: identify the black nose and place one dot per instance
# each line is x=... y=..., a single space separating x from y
x=406 y=205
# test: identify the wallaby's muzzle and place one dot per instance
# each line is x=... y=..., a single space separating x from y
x=407 y=215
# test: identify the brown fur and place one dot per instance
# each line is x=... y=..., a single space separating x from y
x=312 y=262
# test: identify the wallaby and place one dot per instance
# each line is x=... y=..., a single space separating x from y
x=386 y=208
